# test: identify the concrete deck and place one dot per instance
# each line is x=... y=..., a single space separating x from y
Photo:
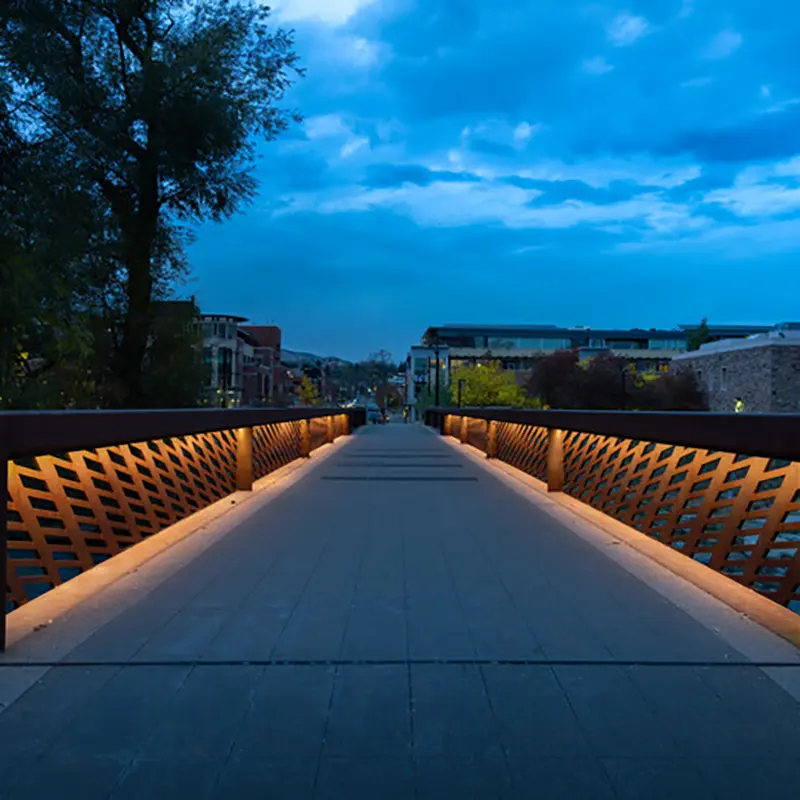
x=400 y=623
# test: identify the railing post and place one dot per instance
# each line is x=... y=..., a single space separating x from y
x=555 y=460
x=305 y=439
x=244 y=459
x=3 y=547
x=464 y=432
x=491 y=438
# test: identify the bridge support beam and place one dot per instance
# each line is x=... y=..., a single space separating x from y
x=555 y=460
x=244 y=459
x=464 y=432
x=491 y=438
x=305 y=439
x=330 y=433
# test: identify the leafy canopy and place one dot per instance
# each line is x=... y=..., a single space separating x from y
x=486 y=385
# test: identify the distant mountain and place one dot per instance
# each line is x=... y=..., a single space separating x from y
x=295 y=358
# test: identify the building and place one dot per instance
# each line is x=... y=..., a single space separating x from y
x=760 y=374
x=263 y=381
x=518 y=346
x=421 y=367
x=242 y=361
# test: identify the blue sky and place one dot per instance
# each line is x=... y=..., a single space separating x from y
x=521 y=161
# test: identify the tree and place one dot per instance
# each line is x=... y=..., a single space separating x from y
x=699 y=336
x=608 y=382
x=174 y=371
x=389 y=396
x=555 y=380
x=308 y=393
x=156 y=106
x=486 y=385
x=426 y=398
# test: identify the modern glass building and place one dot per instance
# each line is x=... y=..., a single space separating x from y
x=517 y=346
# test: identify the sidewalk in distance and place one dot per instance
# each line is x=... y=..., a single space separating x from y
x=401 y=623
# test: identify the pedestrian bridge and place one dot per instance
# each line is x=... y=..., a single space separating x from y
x=396 y=615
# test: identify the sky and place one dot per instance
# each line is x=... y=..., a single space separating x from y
x=631 y=164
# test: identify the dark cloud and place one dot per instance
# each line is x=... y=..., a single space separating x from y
x=771 y=136
x=554 y=192
x=490 y=148
x=386 y=176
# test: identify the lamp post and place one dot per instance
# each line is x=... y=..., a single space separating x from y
x=460 y=389
x=436 y=350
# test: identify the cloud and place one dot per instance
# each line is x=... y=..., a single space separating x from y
x=770 y=136
x=698 y=83
x=326 y=126
x=525 y=131
x=386 y=176
x=596 y=66
x=552 y=192
x=626 y=29
x=531 y=248
x=464 y=203
x=765 y=91
x=724 y=44
x=734 y=242
x=330 y=12
x=353 y=146
x=765 y=200
x=777 y=108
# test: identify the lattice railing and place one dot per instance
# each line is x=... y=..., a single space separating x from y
x=737 y=513
x=73 y=508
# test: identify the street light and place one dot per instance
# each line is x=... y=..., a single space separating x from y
x=436 y=350
x=461 y=382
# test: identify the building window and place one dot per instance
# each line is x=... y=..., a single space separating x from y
x=668 y=344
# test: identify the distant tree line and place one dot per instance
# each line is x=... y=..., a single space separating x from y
x=560 y=380
x=122 y=124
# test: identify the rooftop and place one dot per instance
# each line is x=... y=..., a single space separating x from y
x=773 y=338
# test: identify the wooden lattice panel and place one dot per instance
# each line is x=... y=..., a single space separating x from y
x=735 y=513
x=274 y=446
x=68 y=512
x=524 y=447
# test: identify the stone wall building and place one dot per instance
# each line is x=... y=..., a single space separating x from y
x=762 y=371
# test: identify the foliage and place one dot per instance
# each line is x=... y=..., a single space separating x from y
x=174 y=372
x=607 y=382
x=426 y=398
x=357 y=380
x=389 y=395
x=699 y=336
x=130 y=119
x=555 y=379
x=308 y=394
x=486 y=385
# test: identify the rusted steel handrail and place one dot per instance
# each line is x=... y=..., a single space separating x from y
x=767 y=435
x=80 y=486
x=723 y=489
x=31 y=433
